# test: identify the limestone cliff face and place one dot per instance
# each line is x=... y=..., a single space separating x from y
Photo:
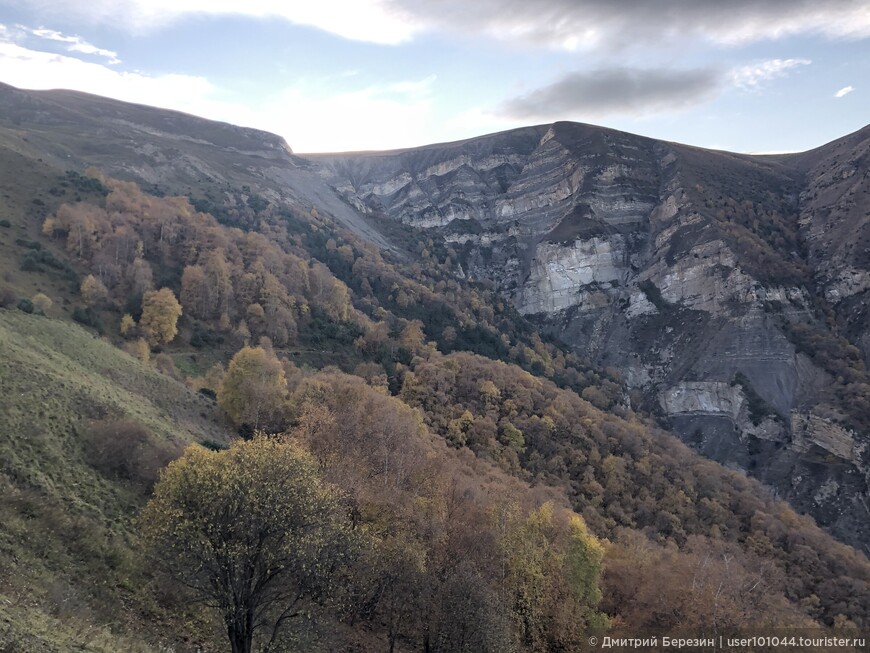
x=680 y=267
x=558 y=272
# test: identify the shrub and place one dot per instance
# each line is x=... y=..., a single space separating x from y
x=29 y=244
x=42 y=302
x=7 y=297
x=126 y=450
x=5 y=223
x=128 y=325
x=208 y=392
x=30 y=264
x=89 y=317
x=25 y=305
x=139 y=349
x=86 y=183
x=205 y=338
x=35 y=259
x=165 y=365
x=211 y=445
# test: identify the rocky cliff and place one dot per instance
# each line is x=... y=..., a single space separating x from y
x=727 y=289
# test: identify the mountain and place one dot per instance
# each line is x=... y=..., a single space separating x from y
x=473 y=340
x=730 y=291
x=167 y=151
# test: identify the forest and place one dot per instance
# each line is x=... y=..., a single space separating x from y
x=378 y=456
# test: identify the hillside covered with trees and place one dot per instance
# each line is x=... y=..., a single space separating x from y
x=401 y=458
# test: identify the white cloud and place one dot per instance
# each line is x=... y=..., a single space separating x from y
x=34 y=69
x=361 y=20
x=310 y=116
x=844 y=91
x=753 y=75
x=75 y=43
x=557 y=24
x=613 y=25
x=606 y=92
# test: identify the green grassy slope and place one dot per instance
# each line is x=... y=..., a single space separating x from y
x=68 y=575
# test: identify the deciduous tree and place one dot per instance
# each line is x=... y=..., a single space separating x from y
x=253 y=531
x=160 y=313
x=93 y=291
x=128 y=325
x=195 y=292
x=254 y=389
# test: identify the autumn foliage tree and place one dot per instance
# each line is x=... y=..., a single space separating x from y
x=253 y=531
x=93 y=291
x=625 y=474
x=42 y=302
x=128 y=325
x=552 y=572
x=450 y=567
x=160 y=313
x=194 y=291
x=254 y=389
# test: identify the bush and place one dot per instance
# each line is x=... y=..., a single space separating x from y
x=126 y=450
x=164 y=364
x=41 y=302
x=205 y=338
x=86 y=184
x=30 y=264
x=35 y=259
x=5 y=223
x=208 y=392
x=139 y=350
x=89 y=317
x=8 y=297
x=29 y=244
x=211 y=445
x=25 y=305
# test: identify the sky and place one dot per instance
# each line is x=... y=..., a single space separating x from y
x=759 y=76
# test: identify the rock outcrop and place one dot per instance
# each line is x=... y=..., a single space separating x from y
x=685 y=269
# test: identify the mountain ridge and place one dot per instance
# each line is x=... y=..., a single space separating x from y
x=437 y=408
x=678 y=266
x=682 y=268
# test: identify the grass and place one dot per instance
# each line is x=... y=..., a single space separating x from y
x=64 y=527
x=45 y=633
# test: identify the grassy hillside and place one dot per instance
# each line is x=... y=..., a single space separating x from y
x=68 y=568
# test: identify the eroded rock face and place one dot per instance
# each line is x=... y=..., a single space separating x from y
x=678 y=266
x=558 y=273
x=835 y=221
x=703 y=398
